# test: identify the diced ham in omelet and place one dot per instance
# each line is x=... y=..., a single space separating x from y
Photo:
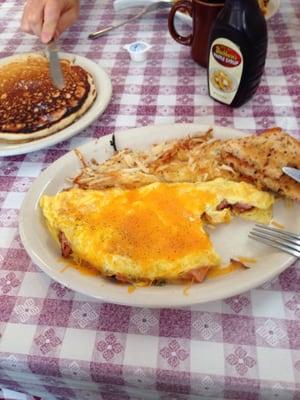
x=151 y=233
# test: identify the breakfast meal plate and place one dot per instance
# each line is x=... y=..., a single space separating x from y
x=103 y=86
x=229 y=240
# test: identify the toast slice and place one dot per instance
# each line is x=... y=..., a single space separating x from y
x=260 y=159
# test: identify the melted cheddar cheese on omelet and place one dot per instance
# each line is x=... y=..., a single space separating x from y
x=151 y=233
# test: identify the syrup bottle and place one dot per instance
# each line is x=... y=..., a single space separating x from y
x=237 y=52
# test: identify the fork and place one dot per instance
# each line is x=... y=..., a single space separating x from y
x=151 y=7
x=286 y=241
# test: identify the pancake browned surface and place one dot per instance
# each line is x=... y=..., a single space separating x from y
x=262 y=157
x=31 y=106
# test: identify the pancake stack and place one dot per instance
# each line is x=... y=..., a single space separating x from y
x=32 y=107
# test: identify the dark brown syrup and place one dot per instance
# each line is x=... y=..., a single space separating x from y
x=236 y=66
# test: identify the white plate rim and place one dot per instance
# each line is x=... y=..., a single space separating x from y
x=101 y=79
x=29 y=209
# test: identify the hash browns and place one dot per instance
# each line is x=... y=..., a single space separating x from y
x=192 y=159
x=256 y=159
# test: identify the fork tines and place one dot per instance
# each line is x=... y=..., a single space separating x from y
x=286 y=241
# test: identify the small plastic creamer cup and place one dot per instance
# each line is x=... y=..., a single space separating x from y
x=138 y=50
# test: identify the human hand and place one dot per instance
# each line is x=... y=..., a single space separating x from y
x=49 y=18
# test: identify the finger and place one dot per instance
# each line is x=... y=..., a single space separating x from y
x=34 y=16
x=24 y=21
x=52 y=13
x=56 y=35
x=66 y=20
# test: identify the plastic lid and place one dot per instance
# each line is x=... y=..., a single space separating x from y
x=138 y=50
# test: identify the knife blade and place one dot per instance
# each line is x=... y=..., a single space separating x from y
x=56 y=72
x=292 y=172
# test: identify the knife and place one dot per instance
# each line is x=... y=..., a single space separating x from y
x=292 y=172
x=56 y=72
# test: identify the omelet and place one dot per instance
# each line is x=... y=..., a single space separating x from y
x=152 y=233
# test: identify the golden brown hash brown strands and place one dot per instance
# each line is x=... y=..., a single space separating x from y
x=183 y=144
x=196 y=158
x=199 y=158
x=81 y=158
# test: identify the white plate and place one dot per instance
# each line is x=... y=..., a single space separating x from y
x=273 y=7
x=123 y=4
x=229 y=240
x=104 y=92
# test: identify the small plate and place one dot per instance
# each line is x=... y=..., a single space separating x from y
x=273 y=7
x=104 y=92
x=230 y=240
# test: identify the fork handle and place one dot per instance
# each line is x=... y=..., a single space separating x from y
x=103 y=31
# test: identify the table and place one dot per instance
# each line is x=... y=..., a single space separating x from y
x=58 y=344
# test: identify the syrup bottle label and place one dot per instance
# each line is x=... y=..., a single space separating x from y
x=225 y=70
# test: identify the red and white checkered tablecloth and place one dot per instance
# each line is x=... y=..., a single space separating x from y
x=58 y=344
